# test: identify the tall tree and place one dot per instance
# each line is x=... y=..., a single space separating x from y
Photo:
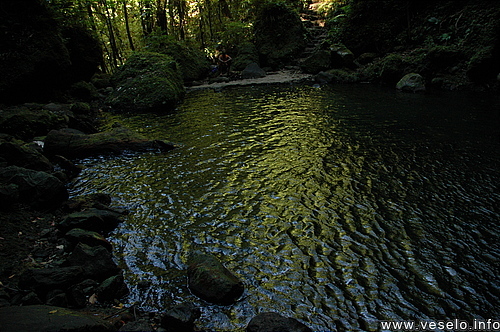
x=127 y=25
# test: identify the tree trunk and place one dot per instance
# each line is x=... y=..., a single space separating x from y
x=161 y=16
x=146 y=17
x=181 y=12
x=201 y=26
x=112 y=40
x=93 y=26
x=127 y=26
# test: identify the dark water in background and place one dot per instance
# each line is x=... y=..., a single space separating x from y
x=339 y=206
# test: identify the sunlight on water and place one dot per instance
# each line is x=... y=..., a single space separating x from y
x=338 y=206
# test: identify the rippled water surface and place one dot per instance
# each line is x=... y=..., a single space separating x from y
x=339 y=206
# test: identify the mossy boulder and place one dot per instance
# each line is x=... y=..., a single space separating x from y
x=246 y=54
x=280 y=36
x=38 y=189
x=316 y=62
x=412 y=82
x=387 y=70
x=16 y=153
x=148 y=81
x=194 y=64
x=337 y=76
x=84 y=50
x=71 y=143
x=342 y=57
x=25 y=122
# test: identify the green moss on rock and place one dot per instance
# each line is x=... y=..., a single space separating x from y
x=194 y=64
x=147 y=82
x=246 y=54
x=279 y=34
x=24 y=123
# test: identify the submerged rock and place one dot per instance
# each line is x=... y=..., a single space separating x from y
x=211 y=281
x=273 y=322
x=71 y=143
x=181 y=318
x=411 y=83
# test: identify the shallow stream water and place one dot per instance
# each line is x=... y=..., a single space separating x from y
x=340 y=206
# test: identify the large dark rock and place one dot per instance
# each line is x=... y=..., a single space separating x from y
x=18 y=154
x=484 y=65
x=246 y=54
x=85 y=52
x=211 y=281
x=411 y=83
x=9 y=196
x=317 y=62
x=342 y=57
x=194 y=64
x=393 y=67
x=78 y=294
x=97 y=262
x=148 y=81
x=273 y=322
x=39 y=59
x=279 y=34
x=38 y=189
x=78 y=235
x=43 y=318
x=181 y=318
x=96 y=220
x=252 y=70
x=24 y=122
x=113 y=288
x=34 y=57
x=70 y=143
x=44 y=280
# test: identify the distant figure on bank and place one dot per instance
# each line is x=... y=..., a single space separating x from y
x=224 y=62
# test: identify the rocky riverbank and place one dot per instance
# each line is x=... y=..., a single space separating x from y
x=57 y=270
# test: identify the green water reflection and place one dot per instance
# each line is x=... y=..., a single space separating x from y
x=339 y=206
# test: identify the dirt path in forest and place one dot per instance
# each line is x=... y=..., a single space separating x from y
x=282 y=76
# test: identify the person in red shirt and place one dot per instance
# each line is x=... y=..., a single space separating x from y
x=224 y=62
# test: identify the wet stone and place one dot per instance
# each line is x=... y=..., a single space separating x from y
x=112 y=288
x=96 y=262
x=49 y=318
x=181 y=318
x=101 y=221
x=274 y=322
x=211 y=281
x=90 y=238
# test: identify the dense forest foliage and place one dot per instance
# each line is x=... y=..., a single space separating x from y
x=122 y=26
x=56 y=43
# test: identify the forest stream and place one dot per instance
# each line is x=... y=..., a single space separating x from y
x=339 y=206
